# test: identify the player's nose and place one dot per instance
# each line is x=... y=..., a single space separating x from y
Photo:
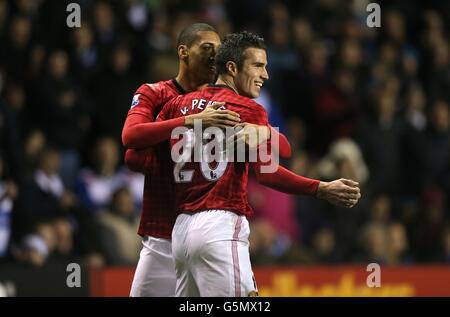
x=265 y=75
x=214 y=52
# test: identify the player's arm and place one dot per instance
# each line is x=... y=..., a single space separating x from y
x=264 y=134
x=138 y=133
x=139 y=160
x=341 y=192
x=142 y=131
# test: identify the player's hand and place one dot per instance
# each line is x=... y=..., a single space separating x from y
x=252 y=134
x=212 y=116
x=342 y=192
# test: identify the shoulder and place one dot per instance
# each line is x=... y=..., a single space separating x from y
x=163 y=89
x=240 y=100
x=247 y=103
x=157 y=87
x=252 y=104
x=149 y=98
x=250 y=108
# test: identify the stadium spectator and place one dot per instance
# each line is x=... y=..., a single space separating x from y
x=398 y=245
x=324 y=249
x=8 y=193
x=96 y=185
x=446 y=245
x=66 y=120
x=437 y=147
x=118 y=225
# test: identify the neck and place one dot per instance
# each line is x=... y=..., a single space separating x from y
x=227 y=80
x=189 y=83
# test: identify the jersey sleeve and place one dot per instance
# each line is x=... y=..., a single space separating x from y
x=286 y=181
x=145 y=101
x=139 y=132
x=139 y=160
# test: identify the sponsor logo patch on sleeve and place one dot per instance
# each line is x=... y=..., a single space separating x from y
x=135 y=101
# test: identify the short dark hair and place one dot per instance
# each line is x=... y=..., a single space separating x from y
x=233 y=48
x=189 y=34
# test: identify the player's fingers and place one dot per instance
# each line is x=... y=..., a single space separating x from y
x=347 y=203
x=232 y=138
x=352 y=190
x=342 y=203
x=240 y=126
x=220 y=122
x=227 y=123
x=241 y=132
x=351 y=195
x=343 y=196
x=229 y=117
x=233 y=142
x=224 y=125
x=216 y=105
x=349 y=182
x=354 y=196
x=229 y=112
x=239 y=137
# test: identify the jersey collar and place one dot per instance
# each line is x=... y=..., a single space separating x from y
x=178 y=86
x=221 y=86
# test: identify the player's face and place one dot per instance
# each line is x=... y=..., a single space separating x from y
x=202 y=55
x=253 y=74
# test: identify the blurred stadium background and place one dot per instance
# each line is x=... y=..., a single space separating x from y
x=370 y=104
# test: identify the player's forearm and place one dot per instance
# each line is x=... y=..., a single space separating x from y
x=139 y=135
x=288 y=182
x=138 y=160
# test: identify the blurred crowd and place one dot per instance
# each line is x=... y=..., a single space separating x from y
x=370 y=104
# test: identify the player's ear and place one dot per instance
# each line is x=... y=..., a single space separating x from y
x=183 y=52
x=231 y=68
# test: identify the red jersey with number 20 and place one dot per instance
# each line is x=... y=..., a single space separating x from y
x=200 y=186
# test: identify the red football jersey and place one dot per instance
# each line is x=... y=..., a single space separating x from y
x=201 y=186
x=158 y=214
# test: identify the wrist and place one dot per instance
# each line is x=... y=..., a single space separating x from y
x=188 y=121
x=321 y=190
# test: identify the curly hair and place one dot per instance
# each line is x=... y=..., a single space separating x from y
x=233 y=48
